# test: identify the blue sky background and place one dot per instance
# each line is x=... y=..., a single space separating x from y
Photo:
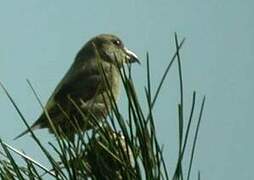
x=39 y=39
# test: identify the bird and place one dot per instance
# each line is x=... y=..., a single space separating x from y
x=89 y=85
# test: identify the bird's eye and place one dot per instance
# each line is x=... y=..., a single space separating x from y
x=117 y=42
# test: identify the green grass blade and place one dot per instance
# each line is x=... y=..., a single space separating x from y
x=195 y=137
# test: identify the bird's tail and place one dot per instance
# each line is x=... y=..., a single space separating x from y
x=33 y=127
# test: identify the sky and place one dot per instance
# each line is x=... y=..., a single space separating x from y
x=39 y=40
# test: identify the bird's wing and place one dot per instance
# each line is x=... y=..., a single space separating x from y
x=78 y=83
x=82 y=84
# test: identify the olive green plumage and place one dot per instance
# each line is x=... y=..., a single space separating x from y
x=89 y=82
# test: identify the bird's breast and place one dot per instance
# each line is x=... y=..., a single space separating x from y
x=115 y=82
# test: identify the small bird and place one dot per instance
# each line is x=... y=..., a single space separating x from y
x=91 y=83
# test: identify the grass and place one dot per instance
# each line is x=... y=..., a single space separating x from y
x=120 y=148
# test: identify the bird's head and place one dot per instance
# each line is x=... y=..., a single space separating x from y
x=112 y=49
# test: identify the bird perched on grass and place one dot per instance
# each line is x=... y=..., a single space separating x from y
x=90 y=84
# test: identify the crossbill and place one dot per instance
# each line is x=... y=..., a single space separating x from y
x=91 y=83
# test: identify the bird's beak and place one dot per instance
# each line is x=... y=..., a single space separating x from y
x=131 y=56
